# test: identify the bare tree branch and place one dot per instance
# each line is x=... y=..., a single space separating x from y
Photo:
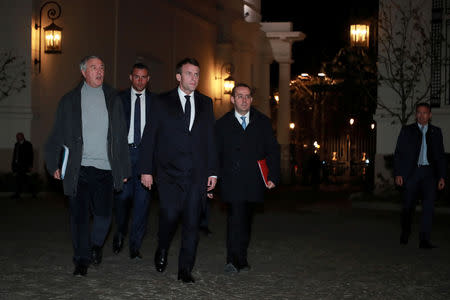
x=12 y=74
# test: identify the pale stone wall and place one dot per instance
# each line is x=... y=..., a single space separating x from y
x=16 y=110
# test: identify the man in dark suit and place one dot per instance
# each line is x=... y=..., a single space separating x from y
x=179 y=147
x=22 y=163
x=420 y=168
x=136 y=102
x=244 y=135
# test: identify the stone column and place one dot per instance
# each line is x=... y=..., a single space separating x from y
x=283 y=119
x=281 y=38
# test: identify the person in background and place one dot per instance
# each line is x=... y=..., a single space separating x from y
x=420 y=169
x=21 y=165
x=137 y=101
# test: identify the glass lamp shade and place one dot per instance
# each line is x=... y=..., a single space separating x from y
x=53 y=37
x=359 y=35
x=228 y=85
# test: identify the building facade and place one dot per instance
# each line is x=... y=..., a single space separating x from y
x=226 y=37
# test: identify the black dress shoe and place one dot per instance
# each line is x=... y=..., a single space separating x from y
x=206 y=231
x=185 y=276
x=230 y=268
x=135 y=254
x=117 y=243
x=244 y=268
x=403 y=240
x=97 y=255
x=161 y=260
x=80 y=270
x=426 y=245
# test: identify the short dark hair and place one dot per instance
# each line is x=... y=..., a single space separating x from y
x=241 y=84
x=423 y=104
x=187 y=60
x=140 y=66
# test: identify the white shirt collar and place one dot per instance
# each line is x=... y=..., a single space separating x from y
x=134 y=92
x=238 y=117
x=181 y=94
x=424 y=126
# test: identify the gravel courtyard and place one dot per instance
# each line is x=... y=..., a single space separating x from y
x=298 y=251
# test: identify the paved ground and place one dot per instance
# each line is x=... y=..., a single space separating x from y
x=300 y=249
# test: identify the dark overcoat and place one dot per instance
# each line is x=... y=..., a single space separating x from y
x=172 y=152
x=67 y=130
x=22 y=160
x=239 y=150
x=407 y=151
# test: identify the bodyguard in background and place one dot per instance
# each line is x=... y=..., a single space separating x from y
x=90 y=122
x=136 y=102
x=21 y=165
x=179 y=146
x=420 y=168
x=243 y=136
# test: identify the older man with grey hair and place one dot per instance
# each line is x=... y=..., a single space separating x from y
x=90 y=123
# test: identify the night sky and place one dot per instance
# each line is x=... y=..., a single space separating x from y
x=325 y=23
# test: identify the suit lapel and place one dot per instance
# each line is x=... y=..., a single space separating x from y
x=175 y=108
x=76 y=108
x=198 y=108
x=236 y=126
x=148 y=103
x=127 y=107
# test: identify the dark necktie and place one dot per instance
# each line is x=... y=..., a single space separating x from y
x=137 y=120
x=187 y=111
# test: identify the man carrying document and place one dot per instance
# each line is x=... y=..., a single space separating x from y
x=244 y=137
x=90 y=123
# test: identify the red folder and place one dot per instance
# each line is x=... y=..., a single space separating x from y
x=262 y=164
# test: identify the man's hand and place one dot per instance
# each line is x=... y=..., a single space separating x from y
x=210 y=195
x=147 y=180
x=270 y=185
x=125 y=180
x=57 y=174
x=441 y=184
x=399 y=180
x=211 y=183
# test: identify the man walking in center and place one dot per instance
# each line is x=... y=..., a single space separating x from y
x=90 y=123
x=420 y=168
x=244 y=136
x=136 y=102
x=179 y=147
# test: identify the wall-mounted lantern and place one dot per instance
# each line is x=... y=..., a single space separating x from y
x=359 y=35
x=351 y=121
x=228 y=82
x=52 y=32
x=276 y=96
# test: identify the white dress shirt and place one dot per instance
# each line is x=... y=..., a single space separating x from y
x=181 y=95
x=132 y=102
x=238 y=117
